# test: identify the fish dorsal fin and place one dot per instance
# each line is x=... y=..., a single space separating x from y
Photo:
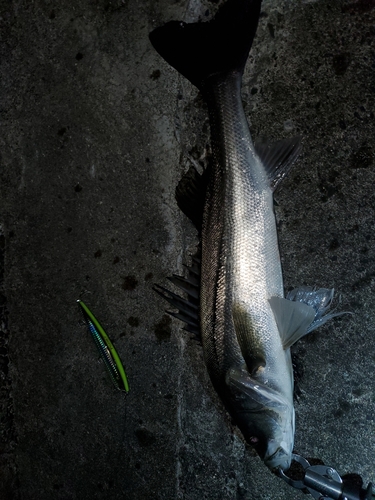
x=278 y=158
x=292 y=318
x=190 y=195
x=254 y=357
x=188 y=308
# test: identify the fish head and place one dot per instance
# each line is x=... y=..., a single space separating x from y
x=271 y=436
x=265 y=418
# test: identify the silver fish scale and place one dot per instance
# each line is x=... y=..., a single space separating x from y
x=241 y=266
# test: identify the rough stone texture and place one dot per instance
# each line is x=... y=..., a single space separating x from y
x=96 y=132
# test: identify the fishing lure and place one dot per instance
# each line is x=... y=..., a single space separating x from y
x=106 y=349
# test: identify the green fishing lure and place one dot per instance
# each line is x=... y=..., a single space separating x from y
x=106 y=349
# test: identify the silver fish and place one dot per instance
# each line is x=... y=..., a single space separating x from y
x=246 y=324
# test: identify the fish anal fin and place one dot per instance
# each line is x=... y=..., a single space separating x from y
x=292 y=318
x=278 y=158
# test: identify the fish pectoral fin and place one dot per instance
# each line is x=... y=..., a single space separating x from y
x=278 y=158
x=292 y=318
x=252 y=353
x=254 y=395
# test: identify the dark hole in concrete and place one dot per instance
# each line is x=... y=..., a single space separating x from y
x=271 y=29
x=334 y=245
x=163 y=328
x=341 y=62
x=133 y=321
x=362 y=158
x=145 y=437
x=155 y=74
x=129 y=283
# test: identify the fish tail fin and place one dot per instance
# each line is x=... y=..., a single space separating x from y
x=201 y=50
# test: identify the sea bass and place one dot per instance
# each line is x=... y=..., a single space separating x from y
x=247 y=326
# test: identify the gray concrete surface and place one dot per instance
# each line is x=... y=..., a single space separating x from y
x=96 y=131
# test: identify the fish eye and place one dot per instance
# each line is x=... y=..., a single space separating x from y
x=259 y=444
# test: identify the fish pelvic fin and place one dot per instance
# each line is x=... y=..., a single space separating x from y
x=302 y=311
x=278 y=158
x=201 y=50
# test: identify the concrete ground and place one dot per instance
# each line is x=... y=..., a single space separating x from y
x=96 y=132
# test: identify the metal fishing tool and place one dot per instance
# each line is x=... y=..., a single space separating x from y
x=106 y=349
x=325 y=483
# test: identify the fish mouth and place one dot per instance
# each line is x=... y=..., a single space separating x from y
x=279 y=459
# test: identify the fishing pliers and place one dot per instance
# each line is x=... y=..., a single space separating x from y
x=325 y=483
